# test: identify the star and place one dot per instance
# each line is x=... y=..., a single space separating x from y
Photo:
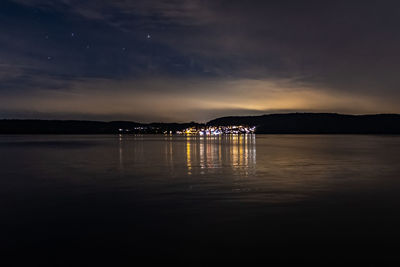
x=49 y=58
x=72 y=34
x=148 y=36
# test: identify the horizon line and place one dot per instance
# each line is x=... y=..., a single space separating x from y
x=189 y=122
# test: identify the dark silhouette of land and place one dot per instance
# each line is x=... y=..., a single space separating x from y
x=292 y=123
x=317 y=123
x=87 y=127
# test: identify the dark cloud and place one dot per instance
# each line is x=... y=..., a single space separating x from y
x=336 y=48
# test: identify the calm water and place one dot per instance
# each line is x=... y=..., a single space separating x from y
x=161 y=198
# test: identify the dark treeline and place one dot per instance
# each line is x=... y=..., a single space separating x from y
x=317 y=123
x=86 y=127
x=293 y=123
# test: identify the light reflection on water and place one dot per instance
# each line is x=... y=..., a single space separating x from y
x=197 y=153
x=205 y=153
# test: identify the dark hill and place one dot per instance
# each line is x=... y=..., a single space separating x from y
x=317 y=123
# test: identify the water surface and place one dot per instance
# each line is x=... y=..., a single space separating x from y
x=186 y=198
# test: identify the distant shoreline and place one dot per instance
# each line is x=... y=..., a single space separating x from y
x=291 y=123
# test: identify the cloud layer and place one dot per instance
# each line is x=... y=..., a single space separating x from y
x=188 y=59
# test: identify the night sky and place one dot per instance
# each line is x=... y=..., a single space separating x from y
x=183 y=60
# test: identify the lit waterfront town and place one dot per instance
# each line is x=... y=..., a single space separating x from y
x=194 y=130
x=217 y=130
